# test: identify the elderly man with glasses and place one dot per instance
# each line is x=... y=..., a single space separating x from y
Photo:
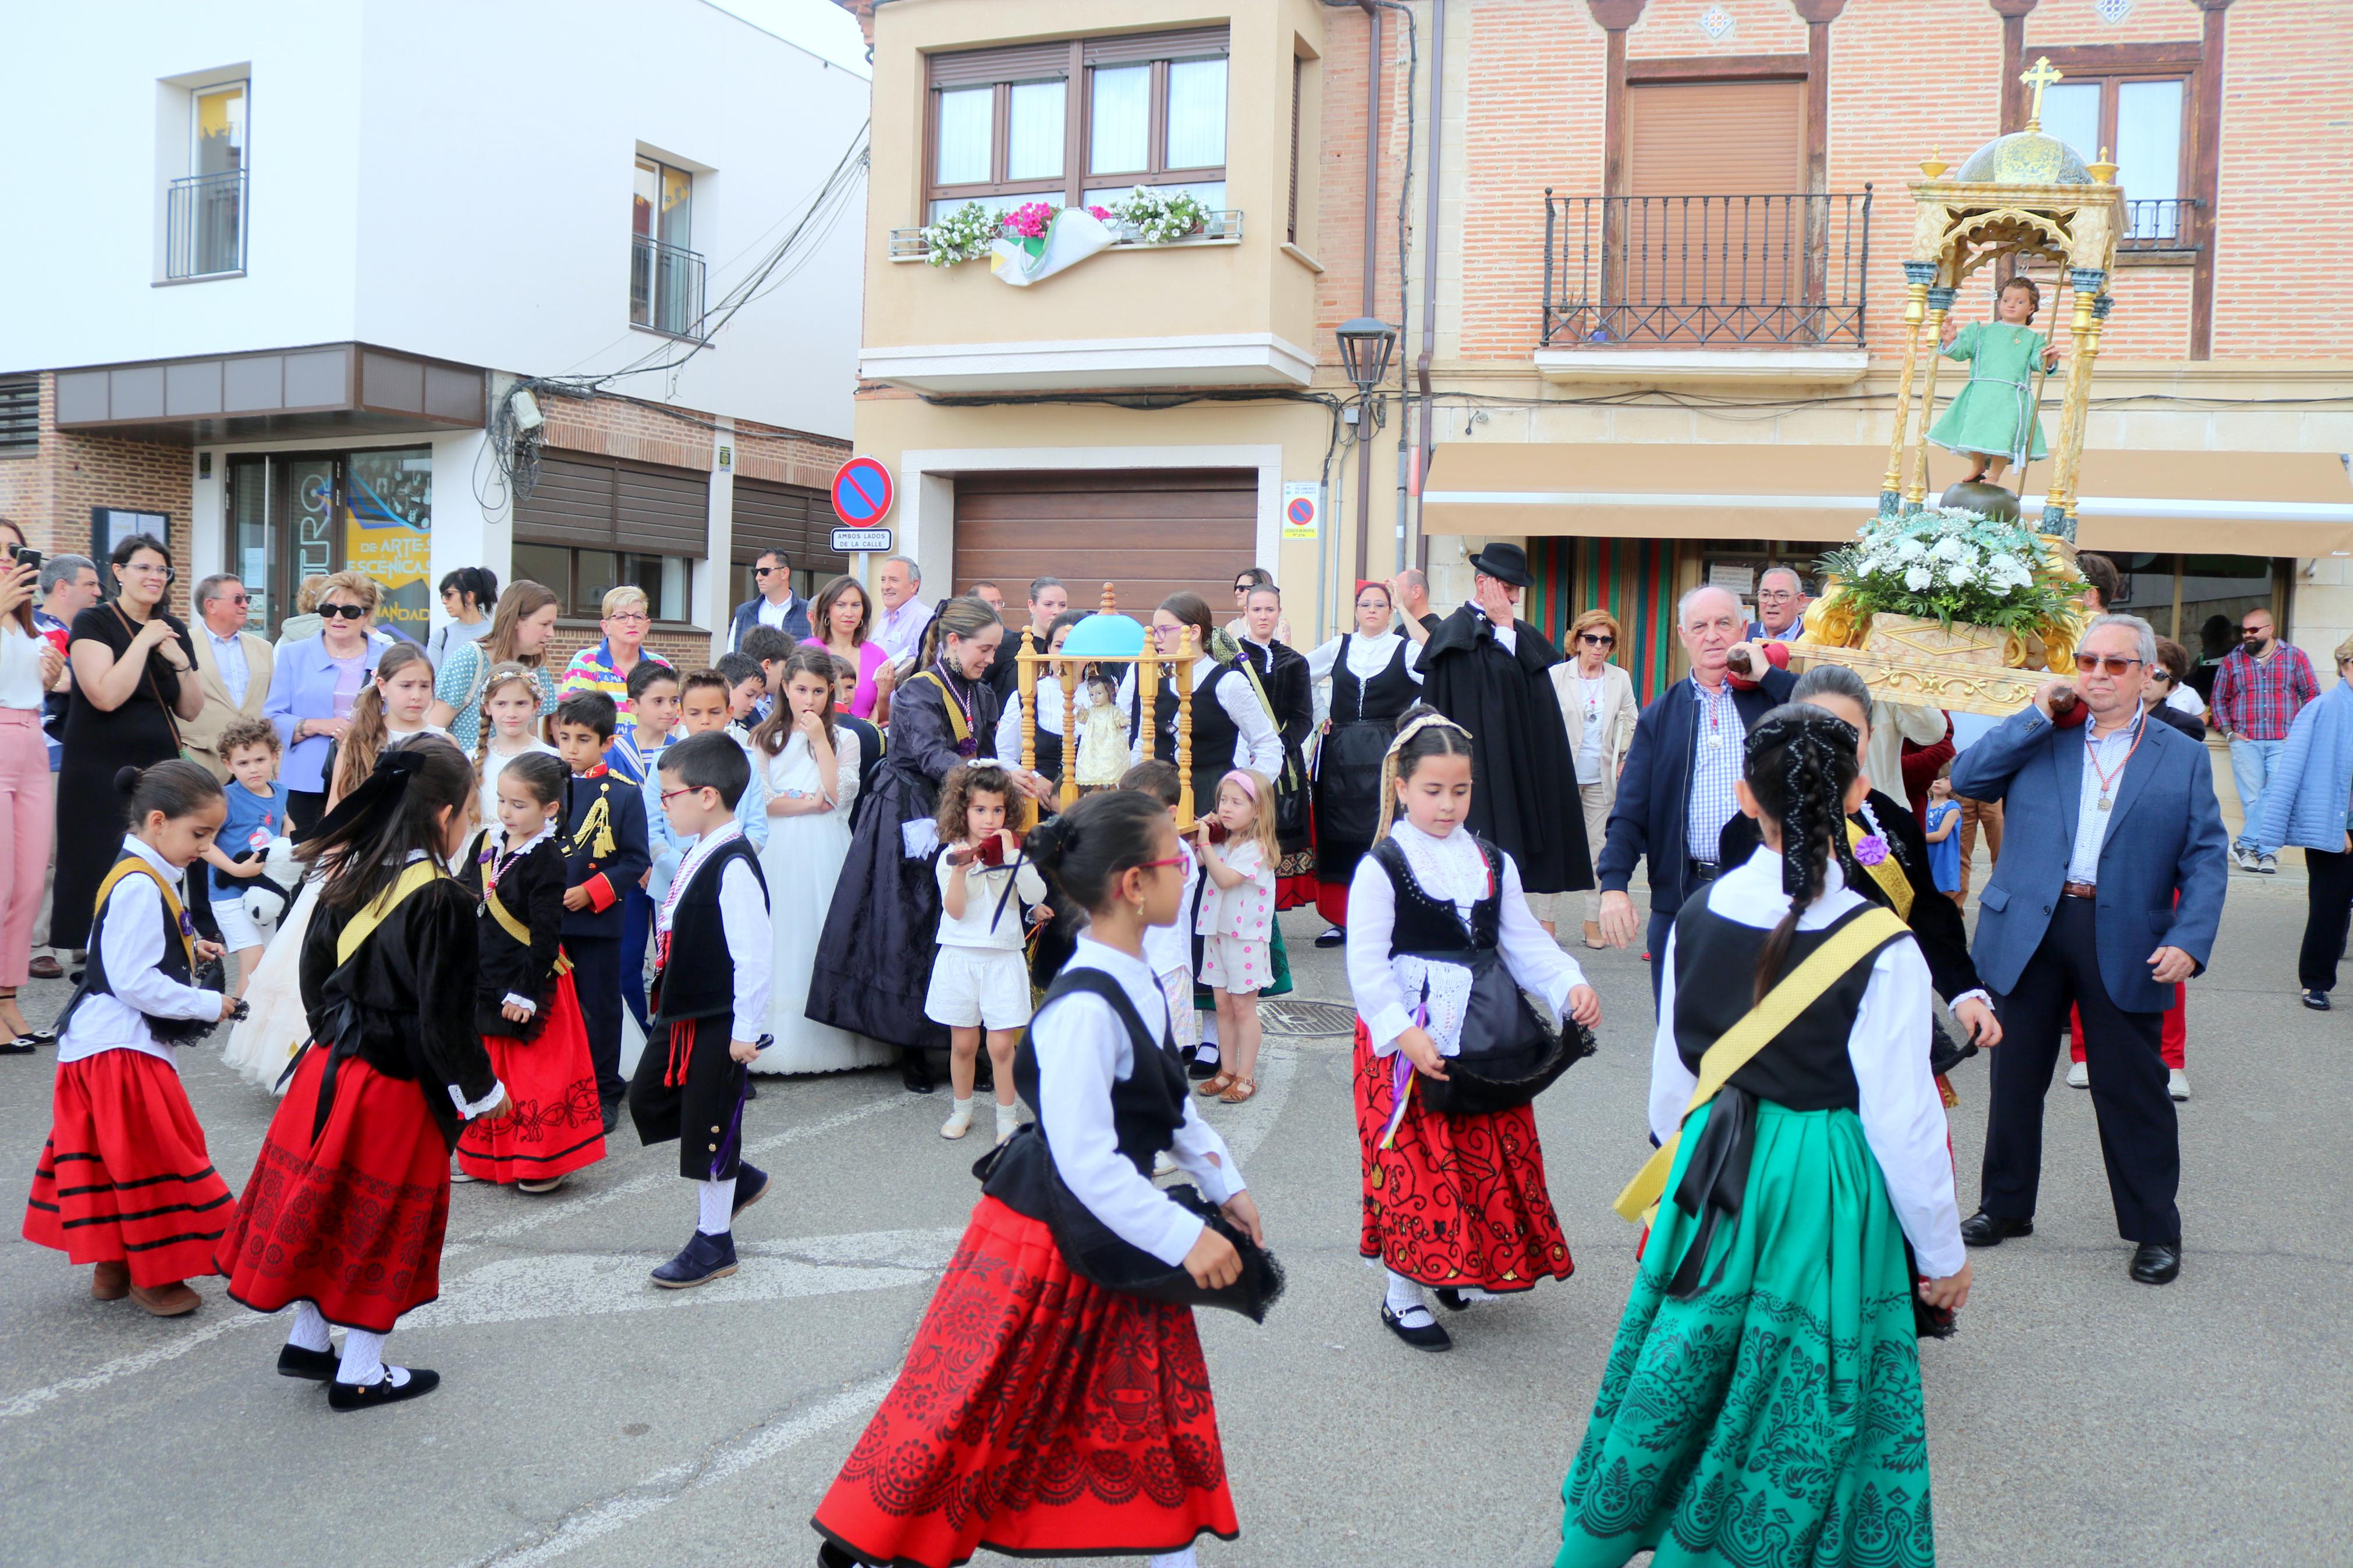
x=233 y=666
x=2106 y=894
x=2262 y=684
x=1780 y=606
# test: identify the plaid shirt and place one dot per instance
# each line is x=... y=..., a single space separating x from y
x=2258 y=698
x=1719 y=740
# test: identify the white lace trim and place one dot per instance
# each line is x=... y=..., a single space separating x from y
x=1448 y=1001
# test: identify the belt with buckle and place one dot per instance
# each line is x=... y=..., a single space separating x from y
x=2080 y=889
x=1704 y=870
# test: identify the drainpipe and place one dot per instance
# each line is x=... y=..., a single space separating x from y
x=1430 y=274
x=1372 y=238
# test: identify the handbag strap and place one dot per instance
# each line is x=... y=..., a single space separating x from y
x=1854 y=943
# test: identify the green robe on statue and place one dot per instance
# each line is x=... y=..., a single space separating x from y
x=1993 y=413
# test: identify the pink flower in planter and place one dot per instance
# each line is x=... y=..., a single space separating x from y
x=1101 y=213
x=1029 y=220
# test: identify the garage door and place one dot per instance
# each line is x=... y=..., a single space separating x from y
x=1149 y=533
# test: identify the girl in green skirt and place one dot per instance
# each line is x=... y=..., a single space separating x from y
x=1762 y=1403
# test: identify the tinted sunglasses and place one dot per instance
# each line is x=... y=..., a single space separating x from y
x=2102 y=663
x=348 y=612
x=1597 y=639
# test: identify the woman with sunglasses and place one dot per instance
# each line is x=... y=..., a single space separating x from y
x=313 y=687
x=1365 y=681
x=134 y=685
x=1597 y=704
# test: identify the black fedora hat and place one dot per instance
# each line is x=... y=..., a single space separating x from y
x=1505 y=564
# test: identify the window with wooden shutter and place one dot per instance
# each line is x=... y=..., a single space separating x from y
x=591 y=524
x=1714 y=218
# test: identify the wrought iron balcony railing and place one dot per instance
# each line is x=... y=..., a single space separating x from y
x=1706 y=271
x=205 y=225
x=2160 y=224
x=665 y=288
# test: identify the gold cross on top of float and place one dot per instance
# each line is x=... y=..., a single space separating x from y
x=2043 y=75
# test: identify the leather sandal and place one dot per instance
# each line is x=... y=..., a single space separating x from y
x=1240 y=1092
x=1217 y=1087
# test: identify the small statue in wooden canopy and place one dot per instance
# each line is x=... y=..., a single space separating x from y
x=1103 y=638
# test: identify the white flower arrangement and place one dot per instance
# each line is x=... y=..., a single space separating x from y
x=1160 y=217
x=1948 y=564
x=964 y=235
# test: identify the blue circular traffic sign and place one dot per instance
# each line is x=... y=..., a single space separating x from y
x=862 y=492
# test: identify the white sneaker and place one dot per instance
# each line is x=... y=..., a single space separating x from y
x=2177 y=1084
x=2080 y=1075
x=2267 y=864
x=959 y=1122
x=2242 y=860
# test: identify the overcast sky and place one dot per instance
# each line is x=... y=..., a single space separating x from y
x=819 y=27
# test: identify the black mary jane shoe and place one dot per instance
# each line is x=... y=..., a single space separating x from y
x=1201 y=1068
x=1429 y=1337
x=752 y=1185
x=2155 y=1263
x=1982 y=1229
x=344 y=1395
x=1333 y=937
x=318 y=1366
x=22 y=1045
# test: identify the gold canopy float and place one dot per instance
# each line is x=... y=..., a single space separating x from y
x=2023 y=195
x=1098 y=640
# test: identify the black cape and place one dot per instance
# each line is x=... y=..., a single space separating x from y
x=882 y=932
x=1525 y=797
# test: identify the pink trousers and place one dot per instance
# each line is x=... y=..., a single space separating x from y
x=27 y=819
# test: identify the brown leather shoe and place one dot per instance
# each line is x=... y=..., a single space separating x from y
x=112 y=1282
x=46 y=968
x=173 y=1300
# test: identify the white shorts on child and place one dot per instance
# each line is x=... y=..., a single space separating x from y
x=237 y=928
x=1184 y=1018
x=1232 y=963
x=978 y=987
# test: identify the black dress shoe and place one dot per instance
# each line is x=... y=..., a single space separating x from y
x=344 y=1395
x=752 y=1185
x=1429 y=1337
x=2155 y=1262
x=705 y=1258
x=828 y=1555
x=1333 y=937
x=1982 y=1229
x=612 y=1117
x=916 y=1074
x=20 y=1046
x=751 y=1091
x=318 y=1366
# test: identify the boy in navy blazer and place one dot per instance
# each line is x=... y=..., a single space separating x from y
x=2107 y=892
x=603 y=836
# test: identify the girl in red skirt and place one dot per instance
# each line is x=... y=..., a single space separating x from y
x=1040 y=1414
x=1454 y=1202
x=523 y=1003
x=344 y=1216
x=124 y=1181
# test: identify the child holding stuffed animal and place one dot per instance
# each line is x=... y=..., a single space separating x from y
x=980 y=980
x=256 y=817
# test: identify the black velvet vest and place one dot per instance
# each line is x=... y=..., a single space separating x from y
x=172 y=962
x=1148 y=1105
x=1434 y=926
x=1375 y=701
x=698 y=980
x=1806 y=1067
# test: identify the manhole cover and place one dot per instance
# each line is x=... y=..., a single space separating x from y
x=1307 y=1018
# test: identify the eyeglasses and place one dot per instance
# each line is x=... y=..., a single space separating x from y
x=1597 y=639
x=2102 y=663
x=1155 y=865
x=633 y=619
x=2254 y=631
x=669 y=796
x=235 y=598
x=349 y=612
x=147 y=569
x=766 y=571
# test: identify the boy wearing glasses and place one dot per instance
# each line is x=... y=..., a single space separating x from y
x=603 y=835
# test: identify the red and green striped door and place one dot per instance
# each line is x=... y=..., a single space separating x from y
x=1633 y=579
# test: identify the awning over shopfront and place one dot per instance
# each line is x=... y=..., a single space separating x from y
x=2237 y=503
x=327 y=389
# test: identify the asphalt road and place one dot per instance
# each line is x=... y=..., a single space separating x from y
x=590 y=1420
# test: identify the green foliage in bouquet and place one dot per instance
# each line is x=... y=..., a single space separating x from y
x=1948 y=564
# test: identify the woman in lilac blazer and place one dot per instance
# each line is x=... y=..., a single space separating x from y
x=312 y=688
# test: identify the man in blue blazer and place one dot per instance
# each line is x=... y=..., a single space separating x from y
x=2107 y=892
x=1675 y=793
x=776 y=604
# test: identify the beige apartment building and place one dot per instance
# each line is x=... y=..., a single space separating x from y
x=1645 y=262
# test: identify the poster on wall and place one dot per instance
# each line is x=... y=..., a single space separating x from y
x=388 y=533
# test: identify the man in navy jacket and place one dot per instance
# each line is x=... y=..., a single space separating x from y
x=776 y=604
x=1675 y=791
x=2107 y=892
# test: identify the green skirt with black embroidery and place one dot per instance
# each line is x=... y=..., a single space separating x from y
x=1775 y=1419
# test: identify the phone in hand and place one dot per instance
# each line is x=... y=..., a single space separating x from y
x=26 y=555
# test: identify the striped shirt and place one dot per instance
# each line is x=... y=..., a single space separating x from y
x=591 y=670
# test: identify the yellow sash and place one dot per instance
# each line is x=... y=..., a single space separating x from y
x=132 y=866
x=957 y=725
x=416 y=875
x=515 y=928
x=1796 y=991
x=1887 y=873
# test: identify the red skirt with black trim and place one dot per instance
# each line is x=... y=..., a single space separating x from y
x=1453 y=1200
x=124 y=1177
x=557 y=1124
x=1036 y=1416
x=351 y=1222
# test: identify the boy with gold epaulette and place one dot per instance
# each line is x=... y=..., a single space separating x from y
x=606 y=852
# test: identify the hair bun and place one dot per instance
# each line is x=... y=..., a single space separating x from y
x=1047 y=843
x=126 y=780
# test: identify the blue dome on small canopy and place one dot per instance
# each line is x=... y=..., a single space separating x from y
x=1104 y=636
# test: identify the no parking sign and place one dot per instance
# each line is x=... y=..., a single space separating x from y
x=862 y=492
x=1303 y=508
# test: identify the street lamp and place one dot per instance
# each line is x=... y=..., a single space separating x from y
x=1364 y=346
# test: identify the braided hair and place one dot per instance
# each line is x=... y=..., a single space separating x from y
x=1800 y=763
